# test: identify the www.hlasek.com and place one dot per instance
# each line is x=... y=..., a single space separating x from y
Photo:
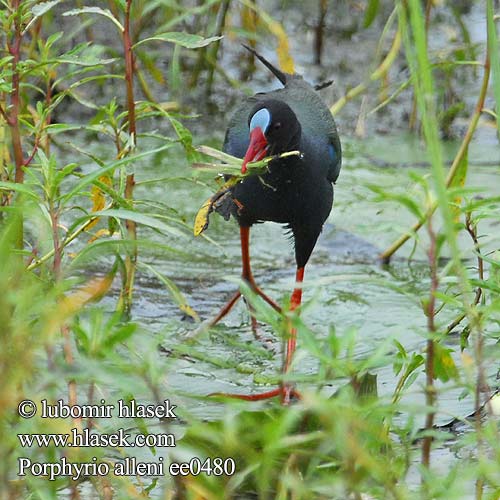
x=85 y=438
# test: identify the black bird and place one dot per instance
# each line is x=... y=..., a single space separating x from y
x=297 y=191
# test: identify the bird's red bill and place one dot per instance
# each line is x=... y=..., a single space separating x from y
x=257 y=148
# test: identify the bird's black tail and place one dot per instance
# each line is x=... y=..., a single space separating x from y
x=282 y=77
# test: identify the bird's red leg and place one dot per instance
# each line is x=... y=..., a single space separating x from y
x=285 y=391
x=246 y=274
x=247 y=270
x=295 y=302
x=228 y=306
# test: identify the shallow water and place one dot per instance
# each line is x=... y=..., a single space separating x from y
x=345 y=287
x=345 y=284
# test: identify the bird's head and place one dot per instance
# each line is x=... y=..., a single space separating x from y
x=273 y=128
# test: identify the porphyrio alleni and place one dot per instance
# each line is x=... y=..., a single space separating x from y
x=296 y=191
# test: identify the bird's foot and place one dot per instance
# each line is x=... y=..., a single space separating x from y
x=264 y=340
x=287 y=394
x=260 y=293
x=225 y=309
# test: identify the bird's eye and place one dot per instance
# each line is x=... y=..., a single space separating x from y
x=277 y=126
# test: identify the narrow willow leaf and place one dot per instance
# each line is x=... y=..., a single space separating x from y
x=177 y=295
x=104 y=246
x=39 y=10
x=150 y=64
x=174 y=70
x=87 y=62
x=186 y=40
x=95 y=10
x=276 y=28
x=421 y=68
x=459 y=181
x=232 y=165
x=370 y=13
x=73 y=302
x=99 y=234
x=146 y=220
x=249 y=19
x=90 y=178
x=185 y=137
x=219 y=155
x=20 y=188
x=119 y=335
x=185 y=13
x=403 y=199
x=494 y=57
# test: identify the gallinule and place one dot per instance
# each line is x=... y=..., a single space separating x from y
x=296 y=191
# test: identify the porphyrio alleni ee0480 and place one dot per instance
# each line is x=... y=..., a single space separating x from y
x=296 y=191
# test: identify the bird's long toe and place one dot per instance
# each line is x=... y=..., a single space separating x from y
x=225 y=309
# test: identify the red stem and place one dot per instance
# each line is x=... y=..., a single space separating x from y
x=131 y=259
x=129 y=72
x=13 y=119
